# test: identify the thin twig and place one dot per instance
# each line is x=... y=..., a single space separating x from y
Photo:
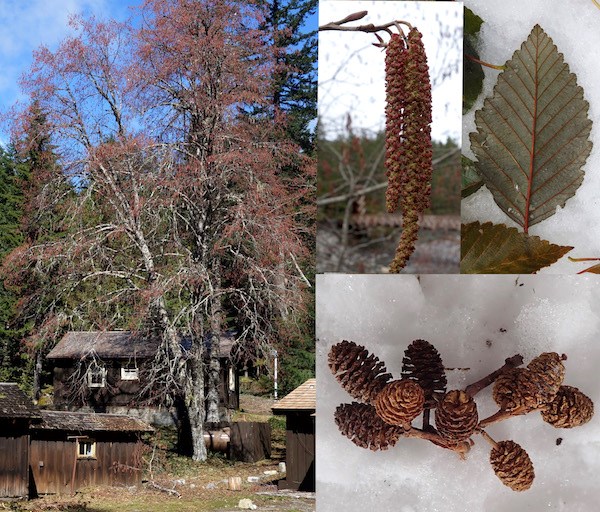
x=476 y=387
x=483 y=63
x=503 y=415
x=302 y=276
x=367 y=190
x=487 y=437
x=369 y=28
x=431 y=434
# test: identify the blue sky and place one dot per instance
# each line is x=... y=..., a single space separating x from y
x=27 y=24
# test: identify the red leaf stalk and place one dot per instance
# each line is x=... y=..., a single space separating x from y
x=408 y=137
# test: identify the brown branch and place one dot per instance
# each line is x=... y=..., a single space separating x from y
x=487 y=437
x=476 y=387
x=172 y=492
x=483 y=63
x=379 y=186
x=369 y=28
x=502 y=415
x=432 y=435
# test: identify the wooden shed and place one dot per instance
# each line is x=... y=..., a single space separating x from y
x=71 y=450
x=17 y=412
x=104 y=371
x=299 y=408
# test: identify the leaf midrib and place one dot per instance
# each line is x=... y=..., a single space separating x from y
x=533 y=137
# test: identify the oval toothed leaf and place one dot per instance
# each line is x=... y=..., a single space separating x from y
x=532 y=136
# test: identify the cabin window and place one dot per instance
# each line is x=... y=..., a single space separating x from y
x=129 y=372
x=96 y=376
x=86 y=449
x=231 y=379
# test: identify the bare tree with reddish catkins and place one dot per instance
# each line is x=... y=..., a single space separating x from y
x=152 y=128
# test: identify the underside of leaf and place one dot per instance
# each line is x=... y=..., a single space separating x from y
x=533 y=133
x=497 y=249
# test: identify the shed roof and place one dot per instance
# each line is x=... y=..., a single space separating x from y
x=14 y=403
x=90 y=422
x=304 y=398
x=118 y=344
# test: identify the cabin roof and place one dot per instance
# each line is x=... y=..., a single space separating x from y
x=303 y=398
x=90 y=422
x=14 y=403
x=118 y=345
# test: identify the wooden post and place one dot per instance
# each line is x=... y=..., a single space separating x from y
x=235 y=483
x=76 y=438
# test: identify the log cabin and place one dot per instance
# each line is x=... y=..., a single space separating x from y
x=104 y=371
x=72 y=450
x=55 y=452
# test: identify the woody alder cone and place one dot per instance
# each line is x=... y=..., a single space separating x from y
x=400 y=402
x=456 y=416
x=570 y=408
x=512 y=465
x=361 y=374
x=514 y=389
x=423 y=364
x=360 y=424
x=548 y=372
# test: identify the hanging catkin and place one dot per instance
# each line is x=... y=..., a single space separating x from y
x=408 y=137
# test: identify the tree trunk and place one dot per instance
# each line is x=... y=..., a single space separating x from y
x=37 y=374
x=194 y=399
x=214 y=368
x=214 y=379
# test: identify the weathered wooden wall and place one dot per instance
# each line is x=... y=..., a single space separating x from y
x=125 y=393
x=250 y=441
x=300 y=452
x=14 y=461
x=52 y=460
x=117 y=392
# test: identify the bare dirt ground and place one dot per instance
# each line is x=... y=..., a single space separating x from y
x=437 y=251
x=189 y=486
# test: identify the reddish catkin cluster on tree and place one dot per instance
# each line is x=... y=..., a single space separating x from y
x=408 y=137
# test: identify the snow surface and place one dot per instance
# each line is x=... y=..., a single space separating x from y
x=351 y=70
x=574 y=26
x=465 y=318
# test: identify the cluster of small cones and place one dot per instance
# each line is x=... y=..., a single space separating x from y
x=386 y=409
